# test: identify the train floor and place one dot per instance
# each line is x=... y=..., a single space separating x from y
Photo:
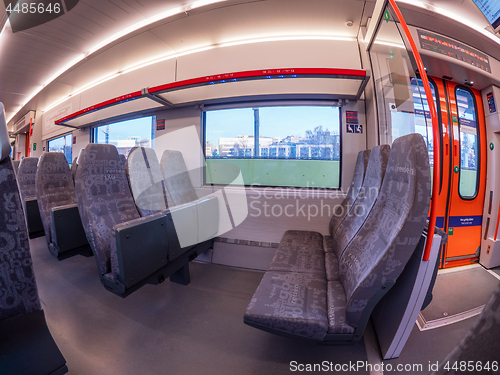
x=194 y=329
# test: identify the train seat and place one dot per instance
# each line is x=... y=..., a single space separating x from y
x=304 y=251
x=16 y=163
x=146 y=181
x=368 y=267
x=26 y=344
x=57 y=203
x=357 y=181
x=151 y=196
x=204 y=219
x=364 y=202
x=130 y=250
x=27 y=187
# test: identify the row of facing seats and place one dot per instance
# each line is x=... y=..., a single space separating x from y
x=324 y=288
x=134 y=242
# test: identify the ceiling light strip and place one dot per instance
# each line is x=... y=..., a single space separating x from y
x=197 y=50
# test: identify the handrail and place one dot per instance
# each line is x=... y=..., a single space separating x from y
x=498 y=222
x=435 y=129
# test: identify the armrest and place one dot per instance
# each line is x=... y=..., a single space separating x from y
x=141 y=247
x=67 y=230
x=196 y=221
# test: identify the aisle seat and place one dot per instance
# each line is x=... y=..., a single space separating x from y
x=26 y=345
x=205 y=218
x=130 y=250
x=57 y=203
x=357 y=181
x=151 y=195
x=368 y=267
x=26 y=177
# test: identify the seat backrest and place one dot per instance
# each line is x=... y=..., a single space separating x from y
x=357 y=181
x=54 y=187
x=385 y=242
x=146 y=181
x=365 y=200
x=18 y=291
x=74 y=165
x=104 y=200
x=26 y=177
x=16 y=163
x=176 y=177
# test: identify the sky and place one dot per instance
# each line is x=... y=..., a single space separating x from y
x=140 y=127
x=274 y=121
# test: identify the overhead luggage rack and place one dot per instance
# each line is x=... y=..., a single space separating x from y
x=350 y=84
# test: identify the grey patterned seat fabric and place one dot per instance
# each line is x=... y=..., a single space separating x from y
x=146 y=181
x=18 y=291
x=104 y=200
x=26 y=177
x=16 y=163
x=295 y=303
x=373 y=259
x=54 y=186
x=177 y=178
x=300 y=251
x=365 y=200
x=384 y=244
x=480 y=345
x=357 y=181
x=74 y=165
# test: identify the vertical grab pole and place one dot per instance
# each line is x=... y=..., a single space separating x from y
x=435 y=129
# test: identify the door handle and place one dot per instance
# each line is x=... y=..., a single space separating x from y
x=455 y=150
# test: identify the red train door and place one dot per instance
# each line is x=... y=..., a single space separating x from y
x=464 y=172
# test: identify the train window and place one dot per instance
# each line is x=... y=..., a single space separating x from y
x=62 y=144
x=297 y=146
x=467 y=122
x=126 y=134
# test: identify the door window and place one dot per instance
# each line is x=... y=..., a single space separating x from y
x=469 y=158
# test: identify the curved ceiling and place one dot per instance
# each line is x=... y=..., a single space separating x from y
x=98 y=39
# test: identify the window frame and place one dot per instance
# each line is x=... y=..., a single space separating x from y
x=322 y=103
x=94 y=127
x=478 y=166
x=61 y=136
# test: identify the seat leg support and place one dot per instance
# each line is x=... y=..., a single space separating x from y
x=181 y=276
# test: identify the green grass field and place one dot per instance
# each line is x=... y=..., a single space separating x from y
x=274 y=172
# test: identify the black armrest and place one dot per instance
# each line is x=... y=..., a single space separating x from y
x=142 y=247
x=67 y=229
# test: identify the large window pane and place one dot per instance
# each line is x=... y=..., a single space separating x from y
x=126 y=134
x=468 y=143
x=62 y=144
x=295 y=146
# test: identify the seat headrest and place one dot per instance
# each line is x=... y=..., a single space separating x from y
x=4 y=135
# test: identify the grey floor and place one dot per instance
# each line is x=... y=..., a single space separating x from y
x=194 y=329
x=167 y=328
x=496 y=270
x=460 y=291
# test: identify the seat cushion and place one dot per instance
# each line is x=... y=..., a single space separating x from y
x=331 y=266
x=337 y=301
x=300 y=251
x=290 y=302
